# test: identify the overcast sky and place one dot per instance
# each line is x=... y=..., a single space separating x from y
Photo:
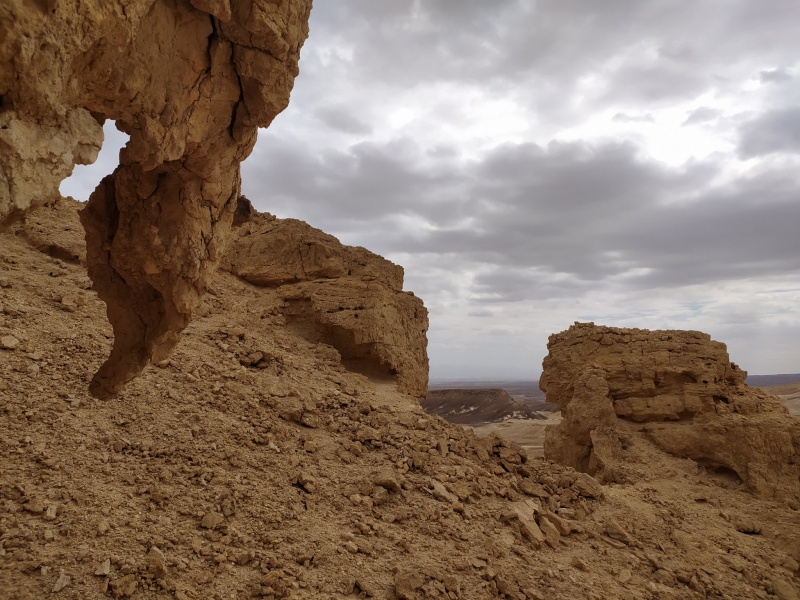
x=534 y=163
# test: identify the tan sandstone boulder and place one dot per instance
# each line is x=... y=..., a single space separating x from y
x=675 y=389
x=343 y=296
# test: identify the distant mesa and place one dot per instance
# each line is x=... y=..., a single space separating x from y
x=475 y=406
x=629 y=395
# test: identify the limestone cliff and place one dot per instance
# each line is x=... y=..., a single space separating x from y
x=190 y=82
x=343 y=296
x=677 y=390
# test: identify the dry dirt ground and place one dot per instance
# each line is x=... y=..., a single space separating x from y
x=528 y=433
x=206 y=479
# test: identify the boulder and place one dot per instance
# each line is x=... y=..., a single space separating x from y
x=675 y=389
x=343 y=296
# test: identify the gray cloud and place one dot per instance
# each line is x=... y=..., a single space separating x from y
x=338 y=117
x=774 y=75
x=704 y=114
x=624 y=118
x=774 y=131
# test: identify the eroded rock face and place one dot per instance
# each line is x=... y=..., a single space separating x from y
x=676 y=389
x=190 y=82
x=343 y=296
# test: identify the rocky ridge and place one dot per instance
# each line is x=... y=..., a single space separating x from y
x=625 y=392
x=190 y=82
x=217 y=476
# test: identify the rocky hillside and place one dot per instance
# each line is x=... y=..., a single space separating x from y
x=476 y=406
x=259 y=462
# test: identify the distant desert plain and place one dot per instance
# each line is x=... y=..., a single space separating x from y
x=528 y=429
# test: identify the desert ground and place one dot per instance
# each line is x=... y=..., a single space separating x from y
x=528 y=433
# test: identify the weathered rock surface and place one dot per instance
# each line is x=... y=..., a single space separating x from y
x=343 y=296
x=190 y=82
x=675 y=389
x=269 y=252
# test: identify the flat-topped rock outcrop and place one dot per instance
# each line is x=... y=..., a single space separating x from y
x=190 y=82
x=677 y=390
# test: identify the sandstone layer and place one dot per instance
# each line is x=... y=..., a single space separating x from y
x=621 y=389
x=190 y=83
x=345 y=297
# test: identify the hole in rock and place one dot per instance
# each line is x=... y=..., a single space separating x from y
x=84 y=178
x=672 y=381
x=359 y=358
x=720 y=473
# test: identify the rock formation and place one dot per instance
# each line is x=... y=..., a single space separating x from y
x=678 y=390
x=190 y=82
x=343 y=296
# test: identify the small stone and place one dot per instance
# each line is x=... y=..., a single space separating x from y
x=784 y=590
x=125 y=586
x=579 y=564
x=406 y=583
x=212 y=520
x=441 y=492
x=587 y=486
x=624 y=575
x=51 y=512
x=157 y=563
x=551 y=535
x=310 y=420
x=615 y=531
x=388 y=480
x=351 y=547
x=746 y=525
x=62 y=582
x=104 y=569
x=665 y=577
x=367 y=434
x=34 y=506
x=103 y=526
x=307 y=481
x=8 y=342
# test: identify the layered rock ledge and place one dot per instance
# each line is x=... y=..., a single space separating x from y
x=343 y=296
x=190 y=82
x=620 y=389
